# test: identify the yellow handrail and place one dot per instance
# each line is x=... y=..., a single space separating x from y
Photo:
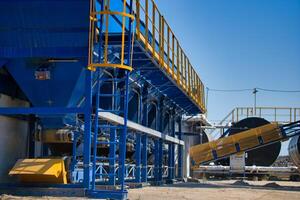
x=104 y=15
x=166 y=50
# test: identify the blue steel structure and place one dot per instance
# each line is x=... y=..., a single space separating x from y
x=72 y=61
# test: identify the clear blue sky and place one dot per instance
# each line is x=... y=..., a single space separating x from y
x=236 y=44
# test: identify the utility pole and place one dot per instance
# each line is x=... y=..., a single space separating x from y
x=254 y=92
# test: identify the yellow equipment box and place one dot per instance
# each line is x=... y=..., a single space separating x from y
x=40 y=171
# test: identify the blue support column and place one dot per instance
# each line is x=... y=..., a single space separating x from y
x=112 y=154
x=144 y=117
x=180 y=151
x=160 y=172
x=158 y=168
x=171 y=151
x=144 y=157
x=138 y=158
x=87 y=129
x=156 y=160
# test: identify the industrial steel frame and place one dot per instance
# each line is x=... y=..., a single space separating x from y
x=172 y=61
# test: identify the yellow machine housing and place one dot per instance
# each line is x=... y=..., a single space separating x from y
x=233 y=144
x=40 y=171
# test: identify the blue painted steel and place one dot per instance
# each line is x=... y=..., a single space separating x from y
x=2 y=63
x=158 y=147
x=144 y=116
x=112 y=154
x=171 y=152
x=58 y=91
x=121 y=83
x=144 y=163
x=160 y=161
x=124 y=133
x=96 y=120
x=52 y=29
x=87 y=130
x=156 y=160
x=180 y=151
x=108 y=194
x=34 y=35
x=138 y=155
x=40 y=110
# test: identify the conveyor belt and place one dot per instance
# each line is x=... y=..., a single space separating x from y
x=242 y=142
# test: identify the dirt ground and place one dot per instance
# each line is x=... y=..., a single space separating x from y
x=231 y=190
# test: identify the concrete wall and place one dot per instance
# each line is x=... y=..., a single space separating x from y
x=13 y=138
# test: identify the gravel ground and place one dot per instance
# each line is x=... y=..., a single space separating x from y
x=231 y=190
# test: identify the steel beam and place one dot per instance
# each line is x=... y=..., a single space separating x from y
x=144 y=118
x=87 y=129
x=180 y=150
x=138 y=158
x=139 y=128
x=40 y=110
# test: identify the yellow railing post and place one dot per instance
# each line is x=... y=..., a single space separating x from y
x=173 y=57
x=153 y=29
x=168 y=49
x=181 y=67
x=146 y=24
x=189 y=78
x=138 y=32
x=178 y=63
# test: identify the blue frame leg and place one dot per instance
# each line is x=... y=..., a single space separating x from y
x=180 y=151
x=138 y=158
x=144 y=171
x=87 y=130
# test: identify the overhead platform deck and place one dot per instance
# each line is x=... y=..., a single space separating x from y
x=158 y=58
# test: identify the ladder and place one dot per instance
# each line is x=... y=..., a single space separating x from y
x=108 y=169
x=115 y=135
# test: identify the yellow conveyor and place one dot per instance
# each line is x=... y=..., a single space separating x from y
x=240 y=142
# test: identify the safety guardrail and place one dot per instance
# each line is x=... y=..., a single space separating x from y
x=282 y=115
x=158 y=38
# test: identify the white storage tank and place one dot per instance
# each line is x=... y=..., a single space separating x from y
x=294 y=150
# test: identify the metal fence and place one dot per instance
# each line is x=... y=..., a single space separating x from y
x=282 y=115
